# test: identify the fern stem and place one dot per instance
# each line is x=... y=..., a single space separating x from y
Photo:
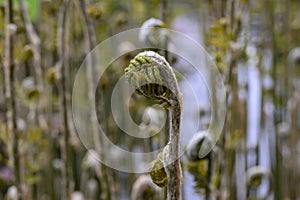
x=9 y=69
x=174 y=169
x=63 y=95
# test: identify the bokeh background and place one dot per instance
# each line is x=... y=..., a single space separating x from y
x=255 y=45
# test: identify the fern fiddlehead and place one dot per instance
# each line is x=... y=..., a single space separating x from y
x=152 y=76
x=158 y=173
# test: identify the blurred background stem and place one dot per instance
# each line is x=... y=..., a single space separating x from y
x=62 y=50
x=10 y=94
x=105 y=184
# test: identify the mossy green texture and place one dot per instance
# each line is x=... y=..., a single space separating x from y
x=158 y=173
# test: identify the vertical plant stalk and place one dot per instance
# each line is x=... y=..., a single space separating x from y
x=174 y=169
x=63 y=95
x=106 y=194
x=235 y=140
x=164 y=10
x=218 y=10
x=240 y=109
x=11 y=114
x=232 y=128
x=164 y=15
x=35 y=42
x=151 y=76
x=209 y=176
x=294 y=106
x=277 y=167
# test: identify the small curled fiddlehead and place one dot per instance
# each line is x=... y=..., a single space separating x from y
x=151 y=75
x=158 y=173
x=201 y=142
x=153 y=32
x=255 y=176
